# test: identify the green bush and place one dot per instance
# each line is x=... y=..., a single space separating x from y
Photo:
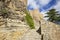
x=4 y=13
x=4 y=10
x=29 y=20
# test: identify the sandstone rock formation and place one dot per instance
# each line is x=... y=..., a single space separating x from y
x=14 y=27
x=49 y=30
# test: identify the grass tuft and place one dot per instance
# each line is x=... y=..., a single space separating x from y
x=29 y=20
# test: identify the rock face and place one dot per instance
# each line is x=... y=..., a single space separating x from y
x=50 y=31
x=47 y=30
x=14 y=27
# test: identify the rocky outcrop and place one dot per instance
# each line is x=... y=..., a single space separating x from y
x=47 y=30
x=13 y=25
x=50 y=31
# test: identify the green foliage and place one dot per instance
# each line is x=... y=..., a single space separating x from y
x=4 y=10
x=52 y=14
x=29 y=20
x=4 y=13
x=58 y=18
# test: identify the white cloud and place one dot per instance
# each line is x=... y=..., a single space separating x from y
x=32 y=3
x=35 y=6
x=44 y=2
x=57 y=6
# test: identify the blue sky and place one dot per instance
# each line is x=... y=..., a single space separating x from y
x=43 y=5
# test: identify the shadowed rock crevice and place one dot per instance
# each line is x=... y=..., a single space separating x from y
x=39 y=30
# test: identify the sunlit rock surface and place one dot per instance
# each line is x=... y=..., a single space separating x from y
x=17 y=28
x=14 y=27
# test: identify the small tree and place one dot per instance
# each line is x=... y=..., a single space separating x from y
x=29 y=19
x=52 y=15
x=58 y=18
